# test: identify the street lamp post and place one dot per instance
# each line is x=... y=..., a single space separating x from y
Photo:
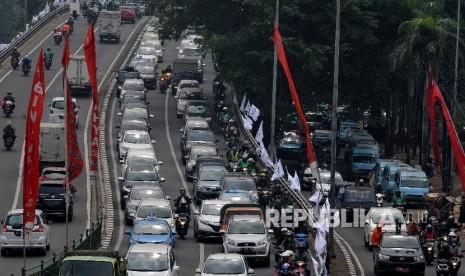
x=273 y=97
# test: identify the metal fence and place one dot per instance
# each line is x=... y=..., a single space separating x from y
x=90 y=240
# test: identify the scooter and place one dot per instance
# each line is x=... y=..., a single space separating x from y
x=26 y=69
x=181 y=224
x=448 y=267
x=379 y=199
x=8 y=108
x=428 y=251
x=9 y=142
x=47 y=63
x=14 y=62
x=57 y=37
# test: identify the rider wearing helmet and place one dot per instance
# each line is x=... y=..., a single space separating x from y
x=9 y=131
x=252 y=167
x=10 y=98
x=302 y=255
x=285 y=258
x=443 y=229
x=445 y=253
x=225 y=116
x=48 y=53
x=263 y=181
x=285 y=269
x=428 y=234
x=243 y=163
x=15 y=53
x=183 y=202
x=398 y=200
x=233 y=155
x=167 y=70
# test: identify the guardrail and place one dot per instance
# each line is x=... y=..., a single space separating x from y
x=51 y=266
x=37 y=26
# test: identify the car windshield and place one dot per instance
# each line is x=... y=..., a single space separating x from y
x=359 y=196
x=17 y=219
x=146 y=69
x=211 y=175
x=206 y=136
x=364 y=159
x=387 y=218
x=136 y=138
x=197 y=124
x=151 y=229
x=141 y=261
x=132 y=160
x=224 y=266
x=132 y=99
x=156 y=211
x=138 y=194
x=323 y=142
x=195 y=152
x=246 y=227
x=190 y=52
x=239 y=185
x=142 y=176
x=400 y=242
x=414 y=182
x=135 y=113
x=196 y=109
x=189 y=84
x=133 y=86
x=212 y=209
x=137 y=125
x=81 y=268
x=146 y=51
x=191 y=95
x=54 y=189
x=129 y=75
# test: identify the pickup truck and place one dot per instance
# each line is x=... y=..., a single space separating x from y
x=92 y=262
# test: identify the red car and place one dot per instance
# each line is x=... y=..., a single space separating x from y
x=128 y=14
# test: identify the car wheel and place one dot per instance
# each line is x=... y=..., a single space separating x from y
x=3 y=252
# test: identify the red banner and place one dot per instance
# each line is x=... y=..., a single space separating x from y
x=32 y=144
x=91 y=59
x=65 y=59
x=435 y=94
x=433 y=122
x=295 y=98
x=75 y=163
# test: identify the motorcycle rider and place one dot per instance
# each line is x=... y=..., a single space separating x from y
x=233 y=155
x=432 y=211
x=283 y=202
x=302 y=255
x=445 y=253
x=263 y=181
x=243 y=163
x=48 y=53
x=428 y=234
x=252 y=166
x=70 y=21
x=454 y=238
x=451 y=222
x=225 y=116
x=66 y=29
x=26 y=61
x=398 y=200
x=15 y=53
x=167 y=70
x=9 y=131
x=183 y=204
x=10 y=98
x=285 y=259
x=412 y=226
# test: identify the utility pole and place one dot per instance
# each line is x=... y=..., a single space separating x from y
x=334 y=123
x=273 y=96
x=25 y=15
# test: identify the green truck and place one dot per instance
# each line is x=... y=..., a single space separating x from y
x=92 y=262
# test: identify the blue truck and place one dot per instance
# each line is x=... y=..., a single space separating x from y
x=361 y=162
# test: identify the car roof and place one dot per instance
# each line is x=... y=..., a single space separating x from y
x=141 y=152
x=211 y=167
x=246 y=218
x=150 y=248
x=137 y=81
x=215 y=201
x=20 y=212
x=230 y=256
x=379 y=210
x=55 y=99
x=155 y=202
x=142 y=168
x=204 y=148
x=132 y=131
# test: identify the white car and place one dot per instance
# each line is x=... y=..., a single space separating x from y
x=386 y=216
x=155 y=44
x=230 y=264
x=136 y=156
x=187 y=84
x=130 y=85
x=57 y=110
x=150 y=36
x=147 y=53
x=187 y=94
x=207 y=219
x=151 y=259
x=134 y=139
x=11 y=237
x=159 y=208
x=190 y=53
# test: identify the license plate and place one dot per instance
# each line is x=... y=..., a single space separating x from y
x=402 y=269
x=246 y=250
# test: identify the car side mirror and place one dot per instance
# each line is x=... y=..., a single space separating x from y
x=194 y=178
x=167 y=197
x=176 y=216
x=153 y=141
x=222 y=232
x=147 y=103
x=150 y=116
x=119 y=114
x=175 y=268
x=198 y=271
x=162 y=179
x=2 y=222
x=181 y=130
x=121 y=178
x=160 y=162
x=119 y=140
x=117 y=126
x=250 y=271
x=49 y=104
x=176 y=97
x=126 y=197
x=270 y=231
x=121 y=161
x=186 y=157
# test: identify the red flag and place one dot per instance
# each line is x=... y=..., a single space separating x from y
x=32 y=143
x=295 y=98
x=91 y=59
x=75 y=163
x=65 y=57
x=436 y=95
x=432 y=116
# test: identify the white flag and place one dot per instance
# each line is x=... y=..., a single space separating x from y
x=243 y=103
x=254 y=112
x=247 y=108
x=278 y=170
x=265 y=157
x=316 y=197
x=247 y=122
x=259 y=135
x=295 y=183
x=315 y=264
x=320 y=242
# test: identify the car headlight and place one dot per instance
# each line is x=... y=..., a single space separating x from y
x=203 y=221
x=419 y=258
x=231 y=242
x=262 y=242
x=383 y=257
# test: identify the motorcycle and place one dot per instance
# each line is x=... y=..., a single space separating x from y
x=233 y=166
x=288 y=245
x=164 y=83
x=428 y=251
x=181 y=224
x=429 y=169
x=264 y=197
x=75 y=15
x=9 y=142
x=57 y=37
x=14 y=62
x=379 y=199
x=47 y=63
x=26 y=69
x=300 y=268
x=448 y=267
x=8 y=108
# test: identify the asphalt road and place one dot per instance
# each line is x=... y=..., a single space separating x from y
x=165 y=130
x=10 y=169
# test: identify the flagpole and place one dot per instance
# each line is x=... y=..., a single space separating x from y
x=273 y=97
x=65 y=92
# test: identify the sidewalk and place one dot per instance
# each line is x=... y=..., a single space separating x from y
x=339 y=265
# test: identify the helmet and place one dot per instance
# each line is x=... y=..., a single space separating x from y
x=444 y=224
x=286 y=193
x=250 y=160
x=15 y=48
x=452 y=235
x=262 y=174
x=221 y=102
x=9 y=123
x=264 y=170
x=285 y=254
x=451 y=217
x=284 y=229
x=230 y=120
x=429 y=228
x=445 y=246
x=225 y=108
x=300 y=245
x=48 y=49
x=182 y=190
x=9 y=93
x=26 y=56
x=286 y=268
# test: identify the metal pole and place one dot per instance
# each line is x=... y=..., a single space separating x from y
x=454 y=98
x=273 y=97
x=65 y=92
x=334 y=123
x=25 y=15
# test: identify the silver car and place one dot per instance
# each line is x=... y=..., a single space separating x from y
x=134 y=139
x=11 y=237
x=230 y=264
x=247 y=235
x=160 y=208
x=185 y=95
x=207 y=219
x=151 y=259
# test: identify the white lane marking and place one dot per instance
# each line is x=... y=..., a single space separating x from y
x=178 y=168
x=352 y=253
